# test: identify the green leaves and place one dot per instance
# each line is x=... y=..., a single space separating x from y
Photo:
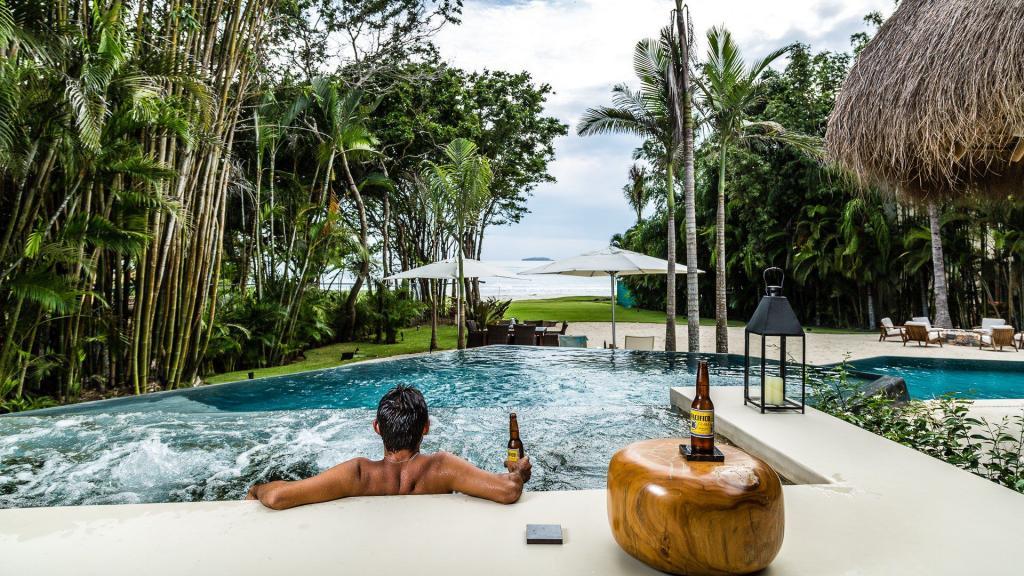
x=941 y=428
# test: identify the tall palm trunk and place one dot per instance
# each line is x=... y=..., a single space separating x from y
x=942 y=319
x=692 y=288
x=721 y=310
x=670 y=281
x=460 y=305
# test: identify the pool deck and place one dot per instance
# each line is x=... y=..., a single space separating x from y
x=822 y=348
x=863 y=506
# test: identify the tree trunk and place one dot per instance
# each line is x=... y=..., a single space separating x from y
x=364 y=267
x=942 y=319
x=721 y=312
x=692 y=287
x=871 y=310
x=670 y=280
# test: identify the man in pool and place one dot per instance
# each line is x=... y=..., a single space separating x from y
x=401 y=423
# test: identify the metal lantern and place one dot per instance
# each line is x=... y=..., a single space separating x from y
x=774 y=318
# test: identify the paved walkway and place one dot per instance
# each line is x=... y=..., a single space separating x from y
x=821 y=348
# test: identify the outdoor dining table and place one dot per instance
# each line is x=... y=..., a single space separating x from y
x=538 y=332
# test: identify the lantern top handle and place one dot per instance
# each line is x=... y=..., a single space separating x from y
x=774 y=278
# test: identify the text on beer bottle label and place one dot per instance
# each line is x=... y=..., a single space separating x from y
x=702 y=423
x=513 y=455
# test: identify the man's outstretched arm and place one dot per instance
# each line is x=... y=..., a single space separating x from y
x=341 y=481
x=472 y=481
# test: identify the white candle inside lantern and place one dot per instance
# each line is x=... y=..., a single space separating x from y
x=774 y=390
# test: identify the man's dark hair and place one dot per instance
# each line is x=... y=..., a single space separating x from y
x=401 y=417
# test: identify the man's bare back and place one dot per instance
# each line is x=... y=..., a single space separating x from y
x=402 y=471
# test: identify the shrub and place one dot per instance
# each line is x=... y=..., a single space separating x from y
x=382 y=314
x=489 y=311
x=940 y=428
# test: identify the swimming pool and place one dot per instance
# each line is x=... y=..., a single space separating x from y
x=933 y=377
x=575 y=407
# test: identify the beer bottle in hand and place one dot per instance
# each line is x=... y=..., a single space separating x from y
x=702 y=415
x=515 y=445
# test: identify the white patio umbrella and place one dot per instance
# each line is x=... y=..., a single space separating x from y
x=612 y=261
x=449 y=270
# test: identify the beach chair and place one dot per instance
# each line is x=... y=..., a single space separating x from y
x=998 y=336
x=525 y=335
x=888 y=330
x=497 y=334
x=572 y=341
x=920 y=333
x=987 y=324
x=639 y=343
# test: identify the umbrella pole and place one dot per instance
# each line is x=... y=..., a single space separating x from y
x=611 y=276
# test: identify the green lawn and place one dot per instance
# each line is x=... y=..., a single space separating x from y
x=570 y=309
x=589 y=309
x=327 y=356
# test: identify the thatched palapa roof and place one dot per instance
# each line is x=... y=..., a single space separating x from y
x=934 y=105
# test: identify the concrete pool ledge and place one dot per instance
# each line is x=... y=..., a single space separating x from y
x=872 y=507
x=866 y=505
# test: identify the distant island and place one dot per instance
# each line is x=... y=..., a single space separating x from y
x=537 y=259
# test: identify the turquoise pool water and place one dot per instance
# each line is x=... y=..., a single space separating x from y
x=576 y=407
x=933 y=377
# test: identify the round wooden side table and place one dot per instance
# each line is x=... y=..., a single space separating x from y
x=694 y=518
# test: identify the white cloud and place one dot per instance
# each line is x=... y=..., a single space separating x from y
x=582 y=48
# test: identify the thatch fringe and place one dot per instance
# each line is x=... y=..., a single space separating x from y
x=934 y=105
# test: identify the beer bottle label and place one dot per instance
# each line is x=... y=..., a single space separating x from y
x=513 y=454
x=702 y=423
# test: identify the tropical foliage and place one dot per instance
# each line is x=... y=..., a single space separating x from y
x=851 y=255
x=181 y=197
x=941 y=428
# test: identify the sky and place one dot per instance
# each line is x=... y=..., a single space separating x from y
x=584 y=47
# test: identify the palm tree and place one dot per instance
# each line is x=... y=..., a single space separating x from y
x=463 y=184
x=345 y=136
x=942 y=318
x=637 y=193
x=648 y=113
x=731 y=92
x=682 y=100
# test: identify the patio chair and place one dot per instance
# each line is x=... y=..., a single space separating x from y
x=888 y=330
x=572 y=341
x=525 y=335
x=1000 y=336
x=920 y=333
x=548 y=323
x=987 y=324
x=497 y=334
x=639 y=343
x=476 y=338
x=531 y=322
x=565 y=326
x=549 y=339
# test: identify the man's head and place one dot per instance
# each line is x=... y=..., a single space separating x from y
x=402 y=419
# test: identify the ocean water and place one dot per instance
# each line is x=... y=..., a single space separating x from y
x=537 y=286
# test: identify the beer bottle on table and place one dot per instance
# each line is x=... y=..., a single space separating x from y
x=515 y=445
x=702 y=415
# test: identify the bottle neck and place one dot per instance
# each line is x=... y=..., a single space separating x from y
x=703 y=381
